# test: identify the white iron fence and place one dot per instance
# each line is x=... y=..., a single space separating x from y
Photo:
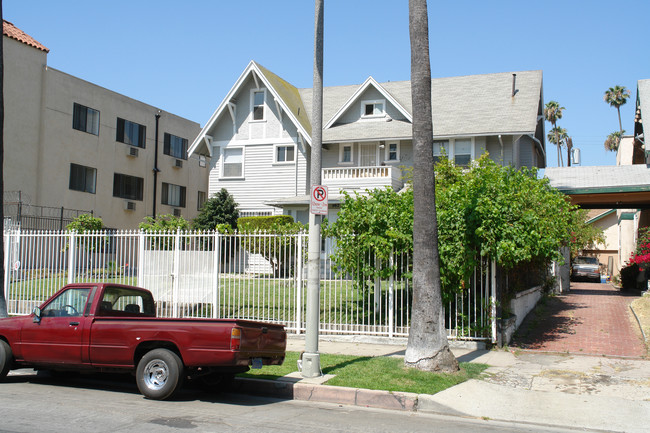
x=247 y=276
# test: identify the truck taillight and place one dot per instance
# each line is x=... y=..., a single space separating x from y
x=235 y=339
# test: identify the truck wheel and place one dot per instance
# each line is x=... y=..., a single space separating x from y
x=6 y=358
x=159 y=374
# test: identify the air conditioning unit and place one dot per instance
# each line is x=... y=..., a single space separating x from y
x=129 y=205
x=132 y=151
x=177 y=212
x=178 y=163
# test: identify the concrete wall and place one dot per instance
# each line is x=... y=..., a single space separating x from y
x=23 y=82
x=41 y=143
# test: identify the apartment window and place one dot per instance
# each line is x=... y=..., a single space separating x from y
x=372 y=108
x=85 y=119
x=200 y=200
x=285 y=154
x=440 y=148
x=131 y=133
x=173 y=195
x=258 y=105
x=175 y=146
x=233 y=162
x=128 y=187
x=392 y=152
x=463 y=152
x=83 y=178
x=345 y=154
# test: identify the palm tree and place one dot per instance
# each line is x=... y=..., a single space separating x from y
x=615 y=97
x=427 y=347
x=553 y=113
x=559 y=137
x=613 y=141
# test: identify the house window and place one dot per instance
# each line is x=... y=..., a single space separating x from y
x=83 y=178
x=258 y=105
x=128 y=187
x=131 y=133
x=175 y=146
x=233 y=162
x=345 y=154
x=85 y=119
x=392 y=152
x=373 y=108
x=285 y=154
x=200 y=200
x=173 y=195
x=463 y=152
x=440 y=148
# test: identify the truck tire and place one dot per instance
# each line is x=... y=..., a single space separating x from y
x=159 y=374
x=6 y=359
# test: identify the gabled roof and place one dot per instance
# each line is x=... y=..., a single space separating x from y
x=357 y=95
x=285 y=95
x=462 y=106
x=13 y=32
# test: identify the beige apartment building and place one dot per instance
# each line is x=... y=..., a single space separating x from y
x=74 y=145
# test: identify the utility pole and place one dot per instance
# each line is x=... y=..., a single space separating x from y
x=311 y=357
x=569 y=147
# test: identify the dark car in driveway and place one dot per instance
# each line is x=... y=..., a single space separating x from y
x=585 y=268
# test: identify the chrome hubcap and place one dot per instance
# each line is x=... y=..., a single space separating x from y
x=156 y=374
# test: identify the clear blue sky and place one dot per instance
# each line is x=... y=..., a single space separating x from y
x=184 y=56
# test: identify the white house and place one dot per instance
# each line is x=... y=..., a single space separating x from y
x=258 y=140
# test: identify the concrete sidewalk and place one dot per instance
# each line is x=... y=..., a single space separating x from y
x=586 y=392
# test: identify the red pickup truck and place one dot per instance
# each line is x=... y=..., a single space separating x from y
x=113 y=327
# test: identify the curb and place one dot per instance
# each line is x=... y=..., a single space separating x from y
x=404 y=401
x=645 y=337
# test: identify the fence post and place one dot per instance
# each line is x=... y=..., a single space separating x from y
x=176 y=272
x=216 y=269
x=493 y=299
x=391 y=297
x=7 y=240
x=141 y=262
x=72 y=253
x=299 y=261
x=61 y=220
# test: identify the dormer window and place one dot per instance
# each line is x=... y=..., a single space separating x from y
x=258 y=104
x=375 y=108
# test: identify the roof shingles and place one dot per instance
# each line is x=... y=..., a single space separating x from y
x=13 y=32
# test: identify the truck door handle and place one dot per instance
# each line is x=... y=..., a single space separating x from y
x=74 y=323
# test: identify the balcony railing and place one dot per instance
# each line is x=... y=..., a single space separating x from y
x=361 y=178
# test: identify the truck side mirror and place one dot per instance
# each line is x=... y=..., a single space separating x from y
x=37 y=315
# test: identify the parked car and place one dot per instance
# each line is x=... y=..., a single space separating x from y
x=585 y=268
x=111 y=327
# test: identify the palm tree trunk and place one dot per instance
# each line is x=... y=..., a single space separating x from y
x=427 y=347
x=557 y=143
x=3 y=300
x=620 y=125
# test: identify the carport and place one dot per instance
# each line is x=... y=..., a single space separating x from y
x=625 y=188
x=604 y=187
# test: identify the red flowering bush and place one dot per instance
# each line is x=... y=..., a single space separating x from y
x=641 y=256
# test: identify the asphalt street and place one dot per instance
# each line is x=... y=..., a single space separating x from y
x=31 y=403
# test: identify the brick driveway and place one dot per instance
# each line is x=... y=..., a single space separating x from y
x=591 y=319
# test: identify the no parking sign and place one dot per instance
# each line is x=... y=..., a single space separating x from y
x=318 y=202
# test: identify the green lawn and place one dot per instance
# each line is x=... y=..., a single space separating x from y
x=380 y=373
